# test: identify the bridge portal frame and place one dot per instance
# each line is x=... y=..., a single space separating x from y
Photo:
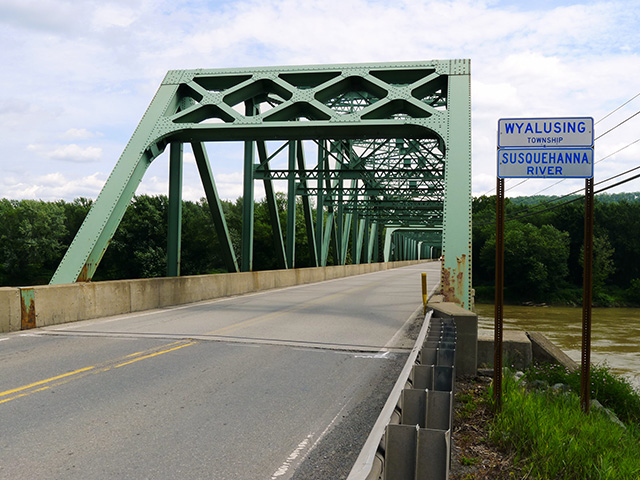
x=348 y=110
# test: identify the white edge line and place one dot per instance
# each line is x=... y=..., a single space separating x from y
x=364 y=462
x=303 y=449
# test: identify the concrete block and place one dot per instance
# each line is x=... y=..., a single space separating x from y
x=10 y=319
x=467 y=331
x=516 y=349
x=239 y=283
x=265 y=280
x=309 y=275
x=285 y=278
x=110 y=298
x=145 y=293
x=543 y=350
x=62 y=303
x=333 y=272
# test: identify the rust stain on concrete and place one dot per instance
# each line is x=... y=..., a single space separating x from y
x=27 y=309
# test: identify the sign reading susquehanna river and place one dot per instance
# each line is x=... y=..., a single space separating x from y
x=560 y=147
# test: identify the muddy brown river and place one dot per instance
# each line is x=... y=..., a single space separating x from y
x=615 y=334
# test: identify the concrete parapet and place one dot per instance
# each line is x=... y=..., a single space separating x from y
x=467 y=328
x=56 y=304
x=10 y=318
x=516 y=348
x=545 y=351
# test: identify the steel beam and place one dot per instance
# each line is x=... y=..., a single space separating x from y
x=215 y=206
x=88 y=246
x=272 y=206
x=175 y=210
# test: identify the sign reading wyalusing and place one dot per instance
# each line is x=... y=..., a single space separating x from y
x=560 y=147
x=545 y=163
x=545 y=132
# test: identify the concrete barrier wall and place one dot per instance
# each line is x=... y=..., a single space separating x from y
x=467 y=328
x=56 y=304
x=10 y=316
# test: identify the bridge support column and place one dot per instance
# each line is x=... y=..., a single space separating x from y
x=175 y=210
x=456 y=237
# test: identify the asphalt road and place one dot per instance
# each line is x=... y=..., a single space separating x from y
x=277 y=385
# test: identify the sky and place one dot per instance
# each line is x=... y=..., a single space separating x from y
x=79 y=74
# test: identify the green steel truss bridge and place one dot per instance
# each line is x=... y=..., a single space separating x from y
x=389 y=174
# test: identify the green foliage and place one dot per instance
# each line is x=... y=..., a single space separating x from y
x=138 y=248
x=535 y=259
x=616 y=245
x=632 y=294
x=553 y=438
x=32 y=237
x=603 y=266
x=612 y=391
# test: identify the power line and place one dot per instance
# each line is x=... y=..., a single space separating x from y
x=614 y=111
x=553 y=207
x=603 y=158
x=621 y=123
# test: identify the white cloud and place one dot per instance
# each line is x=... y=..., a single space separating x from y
x=86 y=71
x=113 y=16
x=52 y=186
x=77 y=133
x=68 y=153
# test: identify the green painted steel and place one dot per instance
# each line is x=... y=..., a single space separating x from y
x=393 y=143
x=272 y=205
x=215 y=206
x=174 y=234
x=291 y=206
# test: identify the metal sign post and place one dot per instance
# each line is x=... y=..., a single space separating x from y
x=499 y=298
x=585 y=370
x=560 y=147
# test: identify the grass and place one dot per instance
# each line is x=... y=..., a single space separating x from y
x=610 y=390
x=552 y=439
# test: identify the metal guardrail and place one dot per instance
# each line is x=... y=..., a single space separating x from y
x=411 y=439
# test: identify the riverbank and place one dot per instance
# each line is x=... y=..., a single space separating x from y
x=615 y=332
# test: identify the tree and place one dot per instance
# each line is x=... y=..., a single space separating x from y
x=535 y=260
x=31 y=240
x=139 y=247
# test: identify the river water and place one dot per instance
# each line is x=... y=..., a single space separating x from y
x=615 y=332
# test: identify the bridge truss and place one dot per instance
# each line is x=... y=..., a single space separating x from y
x=391 y=159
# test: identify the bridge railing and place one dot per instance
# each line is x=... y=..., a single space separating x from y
x=38 y=306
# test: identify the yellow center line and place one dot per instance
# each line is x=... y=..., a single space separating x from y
x=93 y=369
x=154 y=354
x=42 y=382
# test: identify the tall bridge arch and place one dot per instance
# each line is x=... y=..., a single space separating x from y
x=392 y=144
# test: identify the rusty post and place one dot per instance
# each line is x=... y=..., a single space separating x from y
x=585 y=370
x=499 y=296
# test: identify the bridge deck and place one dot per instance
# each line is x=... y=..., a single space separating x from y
x=243 y=387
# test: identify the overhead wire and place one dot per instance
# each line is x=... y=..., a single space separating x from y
x=527 y=212
x=603 y=158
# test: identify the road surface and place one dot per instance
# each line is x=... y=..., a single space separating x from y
x=275 y=385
